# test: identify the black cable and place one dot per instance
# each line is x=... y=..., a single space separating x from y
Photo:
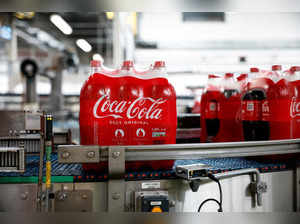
x=207 y=200
x=220 y=203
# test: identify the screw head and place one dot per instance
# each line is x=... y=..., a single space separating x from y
x=116 y=154
x=91 y=154
x=116 y=196
x=24 y=196
x=84 y=196
x=65 y=155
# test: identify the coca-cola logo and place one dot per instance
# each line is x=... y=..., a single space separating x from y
x=140 y=108
x=295 y=108
x=265 y=107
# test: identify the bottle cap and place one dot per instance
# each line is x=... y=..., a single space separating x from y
x=242 y=77
x=295 y=68
x=95 y=63
x=159 y=64
x=127 y=64
x=212 y=76
x=276 y=67
x=228 y=75
x=254 y=70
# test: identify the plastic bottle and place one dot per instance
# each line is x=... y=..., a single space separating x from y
x=210 y=100
x=254 y=104
x=128 y=109
x=229 y=109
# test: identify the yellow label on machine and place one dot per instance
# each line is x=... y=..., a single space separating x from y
x=48 y=174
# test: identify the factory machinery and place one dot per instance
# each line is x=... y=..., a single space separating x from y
x=40 y=170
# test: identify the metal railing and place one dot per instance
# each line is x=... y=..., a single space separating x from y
x=94 y=154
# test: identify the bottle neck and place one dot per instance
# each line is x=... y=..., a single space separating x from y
x=94 y=70
x=161 y=71
x=295 y=76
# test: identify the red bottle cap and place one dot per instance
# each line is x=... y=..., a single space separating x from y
x=276 y=67
x=228 y=75
x=211 y=76
x=242 y=77
x=295 y=68
x=95 y=63
x=158 y=64
x=254 y=70
x=128 y=64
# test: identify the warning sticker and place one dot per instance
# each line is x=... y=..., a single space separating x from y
x=151 y=185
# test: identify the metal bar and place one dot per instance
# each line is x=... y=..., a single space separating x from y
x=297 y=188
x=183 y=151
x=12 y=159
x=116 y=184
x=41 y=165
x=244 y=172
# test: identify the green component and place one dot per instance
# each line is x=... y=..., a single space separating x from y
x=24 y=180
x=48 y=153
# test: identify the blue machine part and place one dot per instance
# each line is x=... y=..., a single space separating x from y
x=79 y=175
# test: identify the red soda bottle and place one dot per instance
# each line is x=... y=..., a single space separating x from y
x=210 y=100
x=230 y=126
x=294 y=88
x=280 y=106
x=254 y=103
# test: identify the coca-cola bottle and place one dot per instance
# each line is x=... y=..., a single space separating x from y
x=294 y=90
x=256 y=98
x=230 y=103
x=210 y=99
x=242 y=80
x=279 y=106
x=129 y=108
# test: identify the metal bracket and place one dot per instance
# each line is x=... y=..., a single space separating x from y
x=258 y=188
x=194 y=185
x=87 y=154
x=116 y=182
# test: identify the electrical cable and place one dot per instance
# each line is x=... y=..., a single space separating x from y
x=220 y=202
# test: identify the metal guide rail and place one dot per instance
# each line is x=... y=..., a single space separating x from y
x=94 y=154
x=118 y=155
x=12 y=159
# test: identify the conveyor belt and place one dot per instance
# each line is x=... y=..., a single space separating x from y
x=75 y=173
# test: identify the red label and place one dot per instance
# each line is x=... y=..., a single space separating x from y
x=211 y=112
x=127 y=111
x=251 y=110
x=265 y=108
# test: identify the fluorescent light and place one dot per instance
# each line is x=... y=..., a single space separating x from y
x=97 y=57
x=84 y=45
x=61 y=24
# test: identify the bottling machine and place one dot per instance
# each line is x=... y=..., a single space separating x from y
x=40 y=170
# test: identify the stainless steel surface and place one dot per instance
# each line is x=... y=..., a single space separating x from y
x=41 y=165
x=12 y=159
x=67 y=154
x=56 y=101
x=278 y=198
x=32 y=121
x=62 y=138
x=13 y=122
x=297 y=189
x=17 y=197
x=30 y=142
x=10 y=121
x=258 y=187
x=73 y=201
x=183 y=151
x=116 y=183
